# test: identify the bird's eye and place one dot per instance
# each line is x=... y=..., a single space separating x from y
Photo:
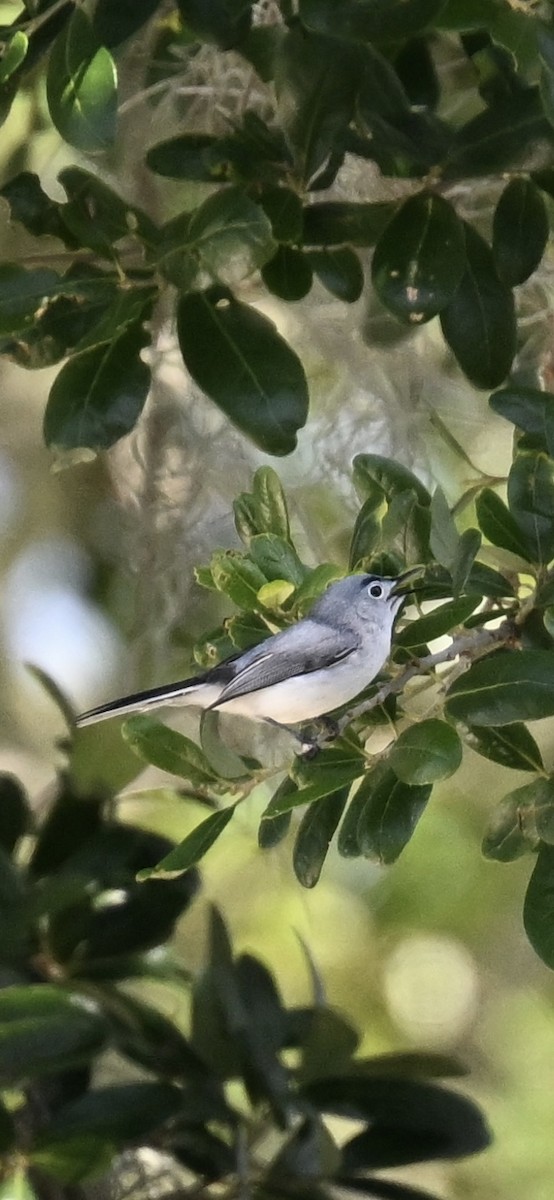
x=375 y=590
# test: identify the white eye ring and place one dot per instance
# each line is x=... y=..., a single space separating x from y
x=375 y=591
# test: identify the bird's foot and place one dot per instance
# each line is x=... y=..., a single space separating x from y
x=315 y=737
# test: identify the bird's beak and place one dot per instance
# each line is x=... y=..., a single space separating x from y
x=401 y=584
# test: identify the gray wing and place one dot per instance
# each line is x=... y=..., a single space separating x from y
x=306 y=647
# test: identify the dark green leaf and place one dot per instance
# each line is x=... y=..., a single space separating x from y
x=194 y=156
x=192 y=849
x=22 y=295
x=99 y=394
x=510 y=686
x=348 y=845
x=45 y=1029
x=276 y=558
x=512 y=133
x=498 y=524
x=314 y=836
x=520 y=231
x=336 y=222
x=410 y=1121
x=510 y=745
x=426 y=752
x=7 y=1131
x=113 y=23
x=329 y=1045
x=15 y=814
x=531 y=502
x=381 y=1189
x=263 y=1036
x=438 y=622
x=284 y=209
x=272 y=829
x=420 y=258
x=479 y=322
x=416 y=70
x=504 y=840
x=163 y=747
x=72 y=820
x=444 y=538
x=529 y=409
x=122 y=1113
x=309 y=1153
x=225 y=22
x=370 y=20
x=97 y=216
x=389 y=816
x=521 y=820
x=316 y=89
x=469 y=545
x=82 y=87
x=264 y=510
x=74 y=1159
x=33 y=208
x=237 y=357
x=340 y=271
x=366 y=534
x=538 y=909
x=406 y=528
x=373 y=472
x=288 y=274
x=231 y=235
x=545 y=43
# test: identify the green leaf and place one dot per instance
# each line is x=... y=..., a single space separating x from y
x=288 y=274
x=462 y=565
x=114 y=23
x=426 y=752
x=516 y=685
x=314 y=836
x=81 y=87
x=16 y=1185
x=444 y=538
x=366 y=534
x=239 y=578
x=420 y=258
x=536 y=810
x=545 y=45
x=73 y=1159
x=435 y=624
x=340 y=271
x=273 y=829
x=163 y=747
x=511 y=134
x=370 y=20
x=348 y=845
x=510 y=745
x=337 y=222
x=277 y=559
x=97 y=216
x=520 y=231
x=504 y=840
x=191 y=849
x=15 y=813
x=13 y=56
x=7 y=1131
x=237 y=357
x=531 y=502
x=373 y=473
x=231 y=235
x=529 y=409
x=538 y=909
x=22 y=294
x=191 y=156
x=121 y=1113
x=46 y=1029
x=264 y=510
x=33 y=208
x=479 y=322
x=284 y=209
x=316 y=90
x=498 y=524
x=389 y=816
x=225 y=22
x=98 y=395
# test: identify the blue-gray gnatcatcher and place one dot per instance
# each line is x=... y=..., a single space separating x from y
x=296 y=675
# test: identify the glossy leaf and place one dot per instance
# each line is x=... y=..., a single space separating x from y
x=237 y=357
x=272 y=829
x=520 y=231
x=348 y=844
x=510 y=134
x=97 y=216
x=15 y=813
x=45 y=1029
x=82 y=87
x=528 y=408
x=314 y=836
x=468 y=546
x=538 y=908
x=389 y=816
x=114 y=23
x=420 y=258
x=169 y=750
x=191 y=156
x=508 y=686
x=239 y=578
x=99 y=394
x=510 y=745
x=283 y=207
x=340 y=271
x=498 y=524
x=23 y=293
x=276 y=558
x=479 y=322
x=337 y=222
x=367 y=530
x=191 y=849
x=288 y=274
x=13 y=56
x=316 y=90
x=373 y=472
x=504 y=840
x=309 y=1154
x=426 y=752
x=231 y=234
x=436 y=623
x=123 y=1112
x=444 y=538
x=224 y=22
x=264 y=510
x=531 y=502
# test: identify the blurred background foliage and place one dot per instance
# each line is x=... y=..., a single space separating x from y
x=98 y=591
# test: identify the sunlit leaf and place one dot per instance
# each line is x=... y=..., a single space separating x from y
x=82 y=87
x=167 y=749
x=191 y=849
x=426 y=752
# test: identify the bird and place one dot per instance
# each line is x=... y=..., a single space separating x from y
x=299 y=674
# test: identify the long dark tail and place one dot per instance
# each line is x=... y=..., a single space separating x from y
x=168 y=693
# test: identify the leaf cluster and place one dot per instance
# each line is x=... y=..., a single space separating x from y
x=77 y=927
x=340 y=81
